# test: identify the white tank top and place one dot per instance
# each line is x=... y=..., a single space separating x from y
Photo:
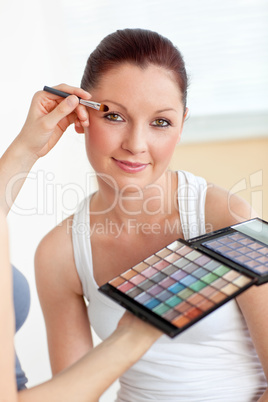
x=214 y=360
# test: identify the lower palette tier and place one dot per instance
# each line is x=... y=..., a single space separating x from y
x=176 y=287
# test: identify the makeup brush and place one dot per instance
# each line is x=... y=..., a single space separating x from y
x=94 y=105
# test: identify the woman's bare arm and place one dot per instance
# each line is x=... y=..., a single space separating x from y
x=61 y=297
x=7 y=321
x=87 y=379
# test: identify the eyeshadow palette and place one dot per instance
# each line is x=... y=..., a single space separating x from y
x=186 y=280
x=245 y=244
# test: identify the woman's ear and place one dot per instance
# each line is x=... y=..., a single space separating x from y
x=183 y=121
x=185 y=114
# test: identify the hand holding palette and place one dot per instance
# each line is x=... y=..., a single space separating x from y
x=186 y=280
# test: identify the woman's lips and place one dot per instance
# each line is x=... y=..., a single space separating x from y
x=130 y=167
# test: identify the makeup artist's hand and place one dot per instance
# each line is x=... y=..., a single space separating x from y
x=141 y=330
x=48 y=118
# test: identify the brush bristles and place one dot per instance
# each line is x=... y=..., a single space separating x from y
x=103 y=108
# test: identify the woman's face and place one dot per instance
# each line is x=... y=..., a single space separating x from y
x=133 y=142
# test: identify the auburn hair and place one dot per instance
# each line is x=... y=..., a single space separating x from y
x=140 y=47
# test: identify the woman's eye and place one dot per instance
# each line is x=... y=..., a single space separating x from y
x=161 y=123
x=113 y=117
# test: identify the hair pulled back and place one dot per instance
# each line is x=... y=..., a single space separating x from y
x=136 y=46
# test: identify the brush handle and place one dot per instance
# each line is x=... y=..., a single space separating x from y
x=56 y=92
x=93 y=105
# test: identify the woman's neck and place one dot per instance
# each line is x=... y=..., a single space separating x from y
x=150 y=204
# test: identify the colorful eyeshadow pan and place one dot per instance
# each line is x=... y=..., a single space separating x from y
x=241 y=249
x=152 y=260
x=137 y=279
x=184 y=281
x=149 y=272
x=140 y=267
x=163 y=253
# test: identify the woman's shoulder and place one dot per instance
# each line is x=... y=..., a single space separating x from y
x=58 y=237
x=54 y=257
x=224 y=208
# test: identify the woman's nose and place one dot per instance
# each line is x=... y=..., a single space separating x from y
x=135 y=140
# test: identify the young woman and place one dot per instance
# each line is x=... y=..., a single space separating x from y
x=47 y=120
x=141 y=77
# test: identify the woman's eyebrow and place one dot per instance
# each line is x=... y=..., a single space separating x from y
x=166 y=110
x=115 y=103
x=124 y=107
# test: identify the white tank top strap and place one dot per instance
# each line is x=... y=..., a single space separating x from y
x=82 y=246
x=191 y=200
